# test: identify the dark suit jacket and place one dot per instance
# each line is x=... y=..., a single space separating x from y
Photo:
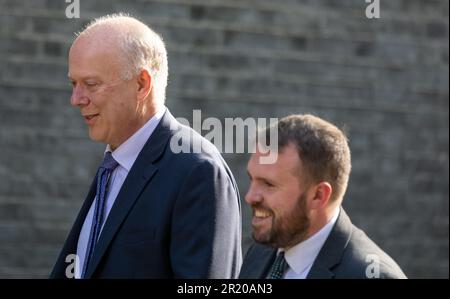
x=343 y=255
x=177 y=215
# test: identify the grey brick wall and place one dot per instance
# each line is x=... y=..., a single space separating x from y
x=385 y=80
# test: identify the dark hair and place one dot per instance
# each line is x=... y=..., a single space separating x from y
x=322 y=148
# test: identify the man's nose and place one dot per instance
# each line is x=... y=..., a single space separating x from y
x=253 y=195
x=79 y=97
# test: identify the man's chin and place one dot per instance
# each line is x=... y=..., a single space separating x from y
x=94 y=136
x=262 y=238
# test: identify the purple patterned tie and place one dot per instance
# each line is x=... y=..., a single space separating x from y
x=104 y=172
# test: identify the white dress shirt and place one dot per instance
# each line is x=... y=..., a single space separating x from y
x=126 y=154
x=301 y=257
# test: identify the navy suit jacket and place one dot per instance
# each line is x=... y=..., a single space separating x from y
x=177 y=215
x=347 y=253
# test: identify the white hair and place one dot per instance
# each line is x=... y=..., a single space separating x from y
x=142 y=48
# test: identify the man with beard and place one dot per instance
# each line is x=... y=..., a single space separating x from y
x=300 y=228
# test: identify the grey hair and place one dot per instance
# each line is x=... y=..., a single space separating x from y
x=142 y=47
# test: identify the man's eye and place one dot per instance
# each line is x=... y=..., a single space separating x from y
x=91 y=84
x=268 y=184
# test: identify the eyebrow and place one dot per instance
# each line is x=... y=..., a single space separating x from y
x=268 y=180
x=84 y=78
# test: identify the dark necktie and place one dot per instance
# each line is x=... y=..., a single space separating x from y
x=278 y=268
x=103 y=174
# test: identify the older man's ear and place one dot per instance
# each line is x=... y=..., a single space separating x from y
x=145 y=85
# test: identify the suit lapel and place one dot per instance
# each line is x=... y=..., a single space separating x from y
x=139 y=176
x=75 y=232
x=257 y=261
x=331 y=253
x=70 y=246
x=267 y=259
x=320 y=271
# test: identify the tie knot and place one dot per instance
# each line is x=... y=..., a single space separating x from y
x=108 y=162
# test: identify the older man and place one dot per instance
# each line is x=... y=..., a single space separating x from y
x=298 y=222
x=150 y=212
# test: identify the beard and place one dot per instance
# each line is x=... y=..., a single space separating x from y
x=288 y=229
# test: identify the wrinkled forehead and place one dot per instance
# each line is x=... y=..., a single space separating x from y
x=94 y=53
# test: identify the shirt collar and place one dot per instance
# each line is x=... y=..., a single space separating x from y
x=303 y=255
x=126 y=154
